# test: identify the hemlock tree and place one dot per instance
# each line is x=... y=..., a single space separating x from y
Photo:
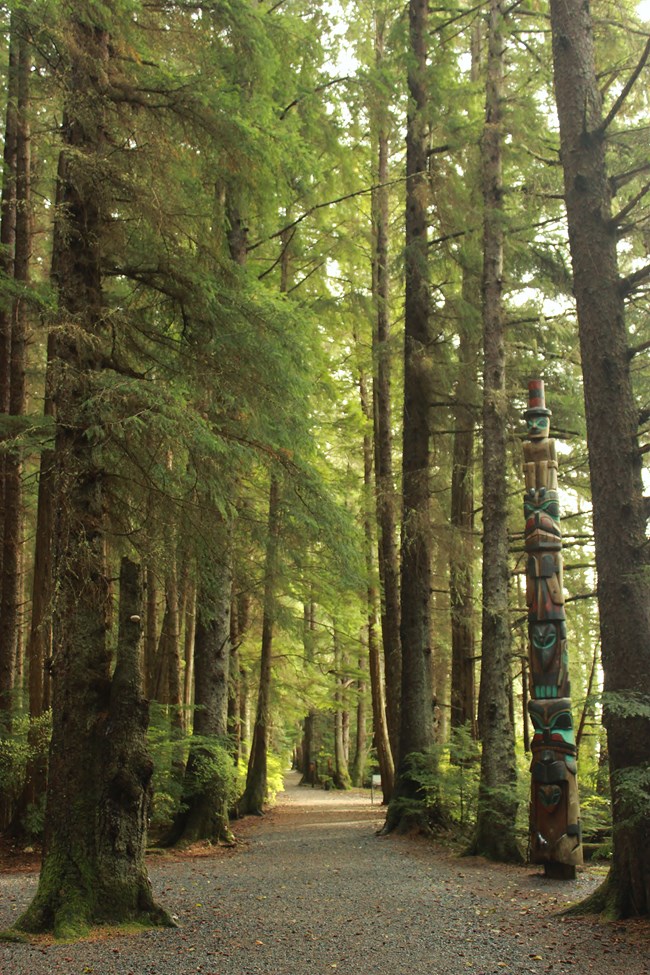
x=93 y=864
x=619 y=512
x=497 y=808
x=416 y=714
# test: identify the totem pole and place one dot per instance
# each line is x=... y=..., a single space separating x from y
x=554 y=808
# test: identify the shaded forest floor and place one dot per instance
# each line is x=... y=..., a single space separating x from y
x=311 y=889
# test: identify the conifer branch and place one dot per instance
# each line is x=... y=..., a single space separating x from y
x=313 y=91
x=616 y=107
x=630 y=283
x=622 y=178
x=622 y=214
x=328 y=203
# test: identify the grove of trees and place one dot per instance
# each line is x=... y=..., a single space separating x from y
x=273 y=279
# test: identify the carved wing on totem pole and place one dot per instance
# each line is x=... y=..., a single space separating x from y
x=555 y=837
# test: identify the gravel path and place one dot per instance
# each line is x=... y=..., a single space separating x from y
x=315 y=891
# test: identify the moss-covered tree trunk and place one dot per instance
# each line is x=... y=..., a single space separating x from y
x=100 y=775
x=93 y=857
x=619 y=515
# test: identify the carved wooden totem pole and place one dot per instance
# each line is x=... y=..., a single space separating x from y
x=554 y=808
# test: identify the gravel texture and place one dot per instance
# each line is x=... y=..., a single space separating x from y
x=313 y=890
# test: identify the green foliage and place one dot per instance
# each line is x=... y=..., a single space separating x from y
x=632 y=795
x=626 y=704
x=166 y=784
x=213 y=772
x=275 y=768
x=29 y=742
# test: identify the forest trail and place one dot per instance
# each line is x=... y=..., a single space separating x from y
x=314 y=891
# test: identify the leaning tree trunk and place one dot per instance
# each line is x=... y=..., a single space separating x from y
x=622 y=555
x=93 y=856
x=497 y=806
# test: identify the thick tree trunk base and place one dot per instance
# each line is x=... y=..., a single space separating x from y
x=202 y=820
x=607 y=901
x=497 y=845
x=70 y=902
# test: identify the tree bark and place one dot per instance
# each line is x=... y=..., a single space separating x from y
x=416 y=707
x=622 y=554
x=378 y=684
x=386 y=501
x=497 y=807
x=309 y=769
x=93 y=864
x=462 y=553
x=7 y=242
x=204 y=804
x=254 y=797
x=341 y=770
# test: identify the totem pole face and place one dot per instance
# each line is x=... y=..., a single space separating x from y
x=549 y=659
x=544 y=591
x=542 y=513
x=538 y=425
x=555 y=815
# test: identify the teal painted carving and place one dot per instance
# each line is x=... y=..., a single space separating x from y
x=554 y=806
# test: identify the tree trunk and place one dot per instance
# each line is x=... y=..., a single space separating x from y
x=98 y=873
x=361 y=736
x=188 y=653
x=151 y=635
x=309 y=770
x=7 y=242
x=237 y=690
x=254 y=797
x=462 y=552
x=93 y=864
x=386 y=502
x=622 y=554
x=416 y=710
x=341 y=771
x=204 y=804
x=497 y=807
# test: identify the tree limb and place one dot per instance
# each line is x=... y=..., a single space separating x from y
x=313 y=91
x=329 y=203
x=628 y=284
x=622 y=214
x=616 y=107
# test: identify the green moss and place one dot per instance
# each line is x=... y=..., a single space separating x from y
x=12 y=935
